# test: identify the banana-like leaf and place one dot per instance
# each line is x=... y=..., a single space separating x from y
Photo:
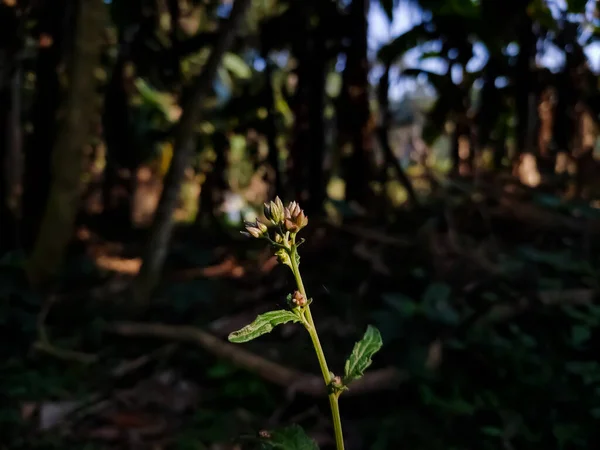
x=414 y=37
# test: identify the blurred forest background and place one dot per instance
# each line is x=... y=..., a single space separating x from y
x=446 y=153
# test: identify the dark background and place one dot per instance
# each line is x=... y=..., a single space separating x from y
x=449 y=174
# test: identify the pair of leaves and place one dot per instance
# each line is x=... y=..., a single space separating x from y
x=358 y=361
x=263 y=324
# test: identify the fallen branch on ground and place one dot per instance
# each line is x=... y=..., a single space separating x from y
x=293 y=380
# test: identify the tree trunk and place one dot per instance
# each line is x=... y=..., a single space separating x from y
x=301 y=141
x=316 y=182
x=53 y=22
x=524 y=81
x=382 y=132
x=271 y=129
x=80 y=114
x=10 y=126
x=183 y=152
x=354 y=111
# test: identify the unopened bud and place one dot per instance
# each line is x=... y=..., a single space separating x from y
x=267 y=211
x=275 y=211
x=255 y=229
x=262 y=227
x=298 y=299
x=293 y=210
x=336 y=385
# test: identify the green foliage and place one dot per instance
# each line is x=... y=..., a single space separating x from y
x=237 y=66
x=289 y=438
x=360 y=358
x=263 y=324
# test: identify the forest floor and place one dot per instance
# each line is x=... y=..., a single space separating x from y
x=486 y=299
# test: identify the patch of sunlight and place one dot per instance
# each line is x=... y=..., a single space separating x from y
x=333 y=213
x=100 y=74
x=233 y=208
x=329 y=112
x=486 y=159
x=237 y=145
x=262 y=113
x=165 y=157
x=415 y=170
x=442 y=165
x=376 y=187
x=565 y=164
x=190 y=191
x=207 y=128
x=336 y=189
x=396 y=193
x=528 y=171
x=119 y=265
x=421 y=185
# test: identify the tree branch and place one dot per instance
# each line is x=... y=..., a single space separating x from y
x=183 y=151
x=293 y=380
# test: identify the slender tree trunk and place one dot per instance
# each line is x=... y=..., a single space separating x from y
x=301 y=141
x=183 y=151
x=316 y=180
x=271 y=131
x=10 y=125
x=500 y=146
x=80 y=115
x=524 y=81
x=36 y=184
x=214 y=186
x=382 y=132
x=455 y=147
x=354 y=110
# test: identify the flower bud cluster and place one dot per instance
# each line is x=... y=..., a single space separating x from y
x=288 y=219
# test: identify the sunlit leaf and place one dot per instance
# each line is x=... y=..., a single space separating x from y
x=237 y=66
x=360 y=358
x=263 y=324
x=289 y=438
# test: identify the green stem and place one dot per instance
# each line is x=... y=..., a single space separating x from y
x=312 y=331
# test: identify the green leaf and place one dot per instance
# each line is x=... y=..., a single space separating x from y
x=360 y=358
x=263 y=324
x=237 y=66
x=289 y=438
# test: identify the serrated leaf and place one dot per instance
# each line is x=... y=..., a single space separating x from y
x=289 y=438
x=263 y=324
x=360 y=358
